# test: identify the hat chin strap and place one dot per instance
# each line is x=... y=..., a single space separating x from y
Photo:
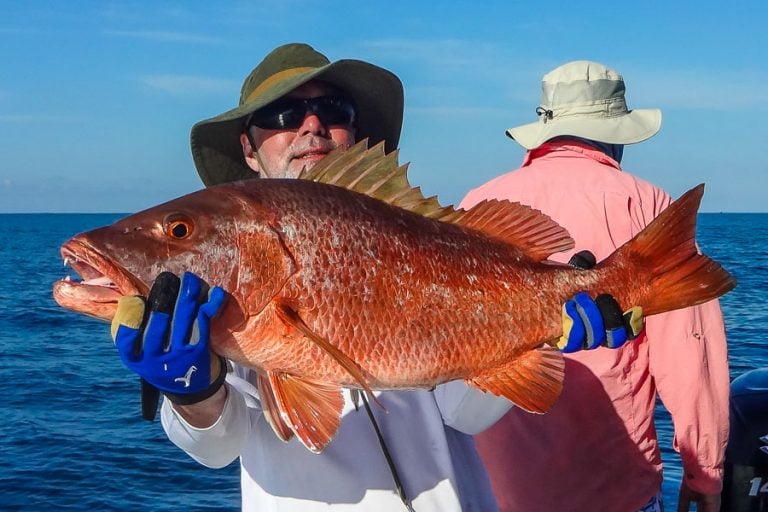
x=262 y=167
x=255 y=153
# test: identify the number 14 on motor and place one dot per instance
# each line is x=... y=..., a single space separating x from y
x=759 y=486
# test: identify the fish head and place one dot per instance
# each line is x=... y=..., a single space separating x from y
x=216 y=233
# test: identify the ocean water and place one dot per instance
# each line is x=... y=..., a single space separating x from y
x=72 y=437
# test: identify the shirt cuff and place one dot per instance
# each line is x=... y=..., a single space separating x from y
x=468 y=409
x=215 y=446
x=704 y=480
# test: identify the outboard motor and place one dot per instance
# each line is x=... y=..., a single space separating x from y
x=745 y=484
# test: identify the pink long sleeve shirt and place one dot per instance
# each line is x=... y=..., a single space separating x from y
x=596 y=449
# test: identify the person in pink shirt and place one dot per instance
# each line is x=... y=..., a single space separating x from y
x=597 y=448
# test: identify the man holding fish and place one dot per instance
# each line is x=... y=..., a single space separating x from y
x=295 y=108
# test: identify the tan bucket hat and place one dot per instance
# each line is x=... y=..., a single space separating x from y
x=586 y=99
x=377 y=93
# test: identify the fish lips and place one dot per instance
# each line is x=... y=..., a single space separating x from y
x=102 y=283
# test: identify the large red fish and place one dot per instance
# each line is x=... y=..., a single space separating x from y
x=351 y=278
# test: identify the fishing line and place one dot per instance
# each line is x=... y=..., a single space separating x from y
x=387 y=455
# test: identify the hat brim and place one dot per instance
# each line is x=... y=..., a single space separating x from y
x=377 y=93
x=630 y=128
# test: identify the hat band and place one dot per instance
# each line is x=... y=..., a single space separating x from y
x=613 y=108
x=272 y=80
x=581 y=91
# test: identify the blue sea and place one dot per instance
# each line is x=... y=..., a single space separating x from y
x=71 y=435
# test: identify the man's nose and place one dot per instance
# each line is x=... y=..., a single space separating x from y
x=312 y=125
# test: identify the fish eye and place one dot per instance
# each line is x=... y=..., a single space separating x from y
x=178 y=226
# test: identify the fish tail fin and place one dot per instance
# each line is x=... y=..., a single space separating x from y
x=673 y=272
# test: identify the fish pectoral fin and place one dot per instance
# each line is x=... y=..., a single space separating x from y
x=532 y=381
x=271 y=409
x=311 y=409
x=291 y=317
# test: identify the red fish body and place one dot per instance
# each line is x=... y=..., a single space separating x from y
x=331 y=287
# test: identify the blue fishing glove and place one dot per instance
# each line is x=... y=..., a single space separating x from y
x=167 y=344
x=588 y=324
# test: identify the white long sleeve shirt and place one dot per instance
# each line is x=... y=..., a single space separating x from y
x=428 y=434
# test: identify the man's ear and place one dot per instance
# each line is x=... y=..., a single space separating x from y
x=249 y=154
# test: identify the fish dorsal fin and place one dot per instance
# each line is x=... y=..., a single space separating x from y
x=310 y=408
x=271 y=408
x=532 y=381
x=376 y=174
x=535 y=233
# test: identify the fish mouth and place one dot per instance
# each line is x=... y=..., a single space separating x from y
x=102 y=281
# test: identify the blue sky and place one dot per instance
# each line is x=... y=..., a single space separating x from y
x=97 y=97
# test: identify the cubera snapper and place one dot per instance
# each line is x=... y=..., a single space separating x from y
x=352 y=278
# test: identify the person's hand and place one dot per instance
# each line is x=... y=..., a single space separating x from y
x=704 y=502
x=168 y=344
x=588 y=323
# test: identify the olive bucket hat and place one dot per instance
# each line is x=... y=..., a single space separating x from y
x=586 y=99
x=376 y=92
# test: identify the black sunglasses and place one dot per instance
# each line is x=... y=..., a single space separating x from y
x=289 y=113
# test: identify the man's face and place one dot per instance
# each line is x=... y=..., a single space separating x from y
x=284 y=153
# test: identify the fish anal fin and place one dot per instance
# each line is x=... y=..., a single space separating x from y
x=532 y=381
x=312 y=410
x=288 y=315
x=530 y=230
x=271 y=408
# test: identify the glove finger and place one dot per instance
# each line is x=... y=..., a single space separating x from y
x=126 y=327
x=163 y=293
x=574 y=333
x=150 y=397
x=593 y=320
x=161 y=300
x=155 y=340
x=615 y=332
x=216 y=299
x=199 y=347
x=634 y=322
x=128 y=342
x=201 y=329
x=130 y=313
x=190 y=297
x=584 y=260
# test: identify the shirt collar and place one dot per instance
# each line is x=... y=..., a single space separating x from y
x=569 y=145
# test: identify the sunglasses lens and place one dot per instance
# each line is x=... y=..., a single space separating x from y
x=289 y=113
x=285 y=113
x=334 y=111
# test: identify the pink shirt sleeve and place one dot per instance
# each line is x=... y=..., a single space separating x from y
x=696 y=393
